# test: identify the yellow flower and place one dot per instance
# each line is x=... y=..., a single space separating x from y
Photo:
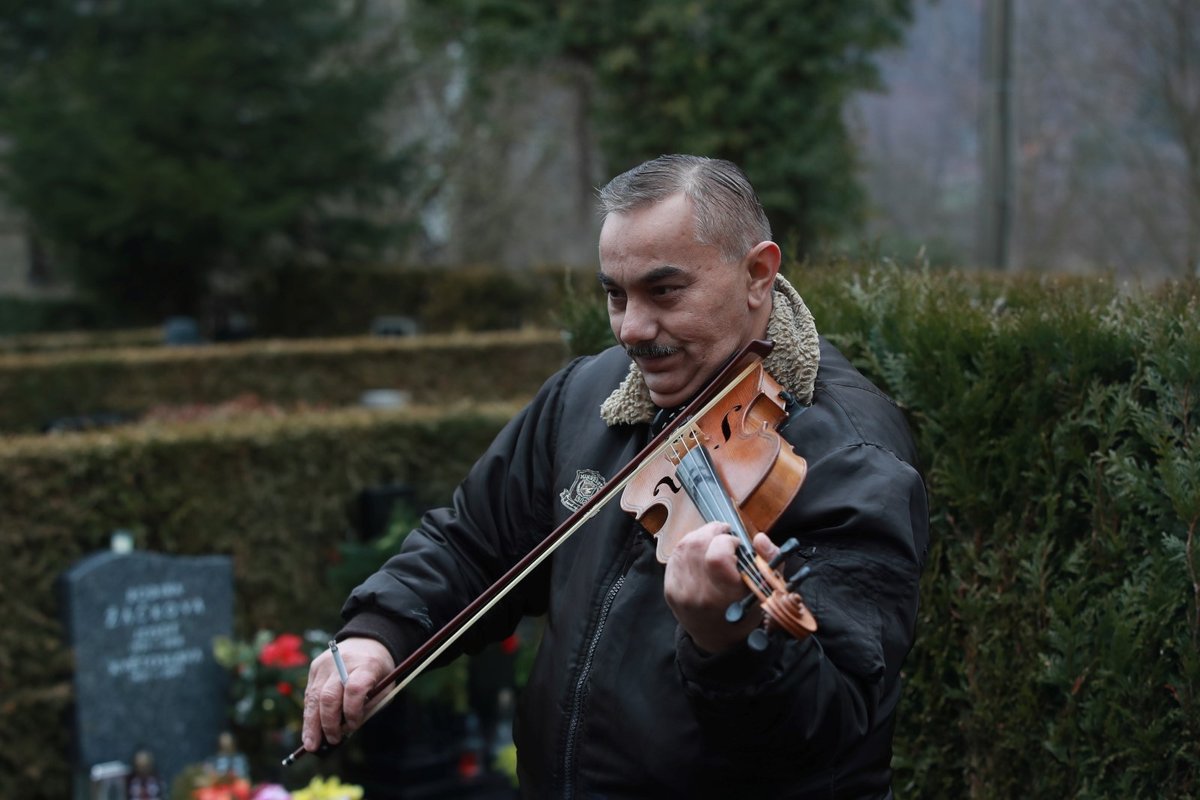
x=328 y=789
x=506 y=762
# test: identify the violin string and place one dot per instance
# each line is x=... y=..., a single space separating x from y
x=750 y=569
x=701 y=482
x=705 y=496
x=720 y=497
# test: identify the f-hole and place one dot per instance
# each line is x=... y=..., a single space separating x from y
x=666 y=479
x=726 y=428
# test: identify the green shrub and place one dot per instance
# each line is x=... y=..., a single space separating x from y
x=20 y=315
x=332 y=301
x=584 y=318
x=40 y=387
x=77 y=339
x=1057 y=650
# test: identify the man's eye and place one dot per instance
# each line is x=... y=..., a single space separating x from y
x=662 y=291
x=614 y=294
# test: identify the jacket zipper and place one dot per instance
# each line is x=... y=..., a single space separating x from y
x=581 y=687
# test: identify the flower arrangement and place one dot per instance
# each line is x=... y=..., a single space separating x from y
x=328 y=789
x=268 y=675
x=212 y=787
x=223 y=787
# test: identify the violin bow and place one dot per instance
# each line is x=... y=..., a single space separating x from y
x=419 y=660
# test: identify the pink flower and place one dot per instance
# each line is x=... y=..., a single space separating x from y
x=270 y=791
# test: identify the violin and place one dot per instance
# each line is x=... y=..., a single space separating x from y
x=729 y=464
x=721 y=459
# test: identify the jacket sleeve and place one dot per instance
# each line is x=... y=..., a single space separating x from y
x=498 y=513
x=863 y=513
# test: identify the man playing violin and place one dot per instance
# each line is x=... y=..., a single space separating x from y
x=642 y=687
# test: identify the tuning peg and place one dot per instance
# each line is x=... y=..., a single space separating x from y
x=799 y=577
x=785 y=550
x=737 y=609
x=758 y=640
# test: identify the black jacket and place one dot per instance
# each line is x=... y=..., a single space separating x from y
x=620 y=703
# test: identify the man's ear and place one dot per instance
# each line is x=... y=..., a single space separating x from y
x=762 y=265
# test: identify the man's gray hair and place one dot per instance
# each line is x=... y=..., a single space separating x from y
x=728 y=214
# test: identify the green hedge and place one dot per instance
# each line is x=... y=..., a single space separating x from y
x=342 y=301
x=20 y=315
x=331 y=300
x=275 y=494
x=1058 y=650
x=39 y=387
x=61 y=341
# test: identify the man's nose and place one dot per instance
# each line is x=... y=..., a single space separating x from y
x=638 y=324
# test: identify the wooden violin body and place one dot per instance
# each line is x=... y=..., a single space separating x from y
x=730 y=464
x=757 y=468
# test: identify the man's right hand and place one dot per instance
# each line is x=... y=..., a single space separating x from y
x=331 y=710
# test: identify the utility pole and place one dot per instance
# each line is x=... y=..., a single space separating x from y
x=998 y=196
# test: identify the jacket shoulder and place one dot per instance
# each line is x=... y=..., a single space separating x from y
x=848 y=409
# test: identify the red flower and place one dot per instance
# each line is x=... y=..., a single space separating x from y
x=284 y=651
x=468 y=765
x=510 y=645
x=284 y=688
x=238 y=789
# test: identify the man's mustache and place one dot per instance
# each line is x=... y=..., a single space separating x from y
x=650 y=351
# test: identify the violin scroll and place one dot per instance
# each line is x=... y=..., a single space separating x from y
x=783 y=606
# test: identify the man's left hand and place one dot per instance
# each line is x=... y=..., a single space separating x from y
x=702 y=579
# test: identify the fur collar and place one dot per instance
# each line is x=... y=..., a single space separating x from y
x=793 y=362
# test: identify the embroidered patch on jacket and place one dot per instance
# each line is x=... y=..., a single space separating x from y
x=587 y=482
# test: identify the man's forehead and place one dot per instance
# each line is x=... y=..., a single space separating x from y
x=674 y=211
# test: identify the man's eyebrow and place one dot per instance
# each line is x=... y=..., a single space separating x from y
x=653 y=276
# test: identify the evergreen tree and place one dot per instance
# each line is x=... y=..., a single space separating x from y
x=152 y=142
x=760 y=82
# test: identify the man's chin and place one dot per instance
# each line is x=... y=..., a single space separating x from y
x=666 y=394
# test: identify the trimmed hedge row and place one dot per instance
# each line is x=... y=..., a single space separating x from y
x=21 y=315
x=80 y=340
x=1058 y=649
x=272 y=492
x=40 y=387
x=326 y=301
x=342 y=301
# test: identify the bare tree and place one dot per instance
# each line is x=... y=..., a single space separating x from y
x=1160 y=61
x=1107 y=125
x=919 y=138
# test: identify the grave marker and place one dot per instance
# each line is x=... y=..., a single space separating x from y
x=141 y=626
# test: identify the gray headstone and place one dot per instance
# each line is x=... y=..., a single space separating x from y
x=141 y=626
x=181 y=331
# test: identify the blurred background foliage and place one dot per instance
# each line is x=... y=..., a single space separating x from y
x=162 y=154
x=155 y=143
x=753 y=81
x=157 y=156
